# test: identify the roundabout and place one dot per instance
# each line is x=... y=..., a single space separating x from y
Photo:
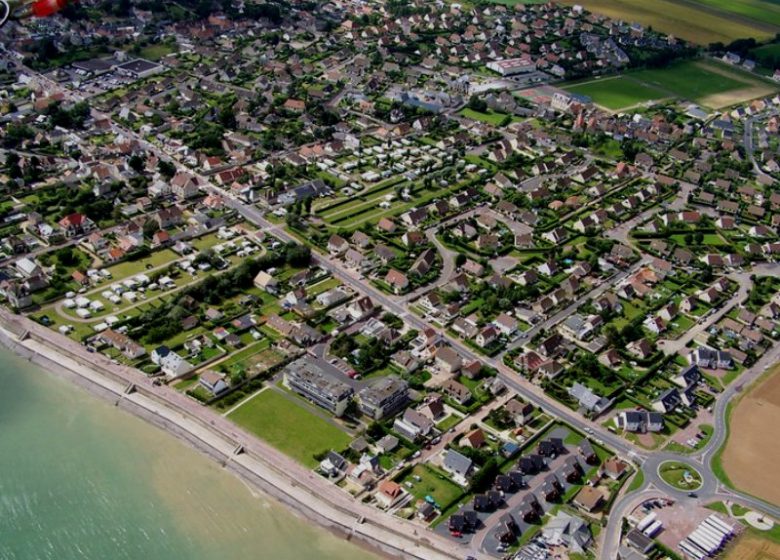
x=680 y=476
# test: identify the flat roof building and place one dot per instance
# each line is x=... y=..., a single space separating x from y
x=512 y=66
x=384 y=398
x=308 y=379
x=140 y=68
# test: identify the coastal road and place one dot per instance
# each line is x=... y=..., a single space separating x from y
x=250 y=456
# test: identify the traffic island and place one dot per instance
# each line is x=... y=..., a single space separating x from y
x=679 y=475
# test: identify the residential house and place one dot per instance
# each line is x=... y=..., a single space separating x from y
x=458 y=466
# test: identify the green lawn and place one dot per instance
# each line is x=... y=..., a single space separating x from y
x=289 y=427
x=130 y=268
x=432 y=483
x=247 y=352
x=490 y=117
x=674 y=472
x=711 y=239
x=768 y=55
x=679 y=326
x=637 y=481
x=720 y=507
x=156 y=52
x=515 y=2
x=449 y=422
x=697 y=80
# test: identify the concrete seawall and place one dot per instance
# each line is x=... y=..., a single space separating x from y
x=261 y=467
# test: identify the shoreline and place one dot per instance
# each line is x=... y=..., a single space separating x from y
x=23 y=337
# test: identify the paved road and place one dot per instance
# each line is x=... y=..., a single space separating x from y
x=447 y=267
x=747 y=141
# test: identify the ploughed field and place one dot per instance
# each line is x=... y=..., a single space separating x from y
x=698 y=21
x=752 y=453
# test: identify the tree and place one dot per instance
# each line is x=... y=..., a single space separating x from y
x=150 y=228
x=375 y=431
x=342 y=345
x=392 y=321
x=12 y=165
x=485 y=476
x=15 y=134
x=166 y=168
x=613 y=336
x=477 y=104
x=630 y=149
x=66 y=257
x=237 y=375
x=297 y=255
x=73 y=118
x=136 y=163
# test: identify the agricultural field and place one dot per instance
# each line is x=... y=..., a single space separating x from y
x=708 y=83
x=746 y=459
x=288 y=426
x=763 y=11
x=702 y=25
x=753 y=547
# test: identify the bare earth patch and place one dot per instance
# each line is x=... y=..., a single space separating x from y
x=728 y=98
x=752 y=453
x=754 y=88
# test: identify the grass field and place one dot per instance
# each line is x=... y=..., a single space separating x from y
x=747 y=459
x=515 y=2
x=685 y=20
x=618 y=93
x=490 y=117
x=156 y=52
x=637 y=481
x=289 y=427
x=767 y=55
x=708 y=83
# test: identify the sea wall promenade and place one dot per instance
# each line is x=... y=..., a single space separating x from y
x=254 y=461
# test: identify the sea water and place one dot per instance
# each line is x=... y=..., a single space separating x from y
x=82 y=479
